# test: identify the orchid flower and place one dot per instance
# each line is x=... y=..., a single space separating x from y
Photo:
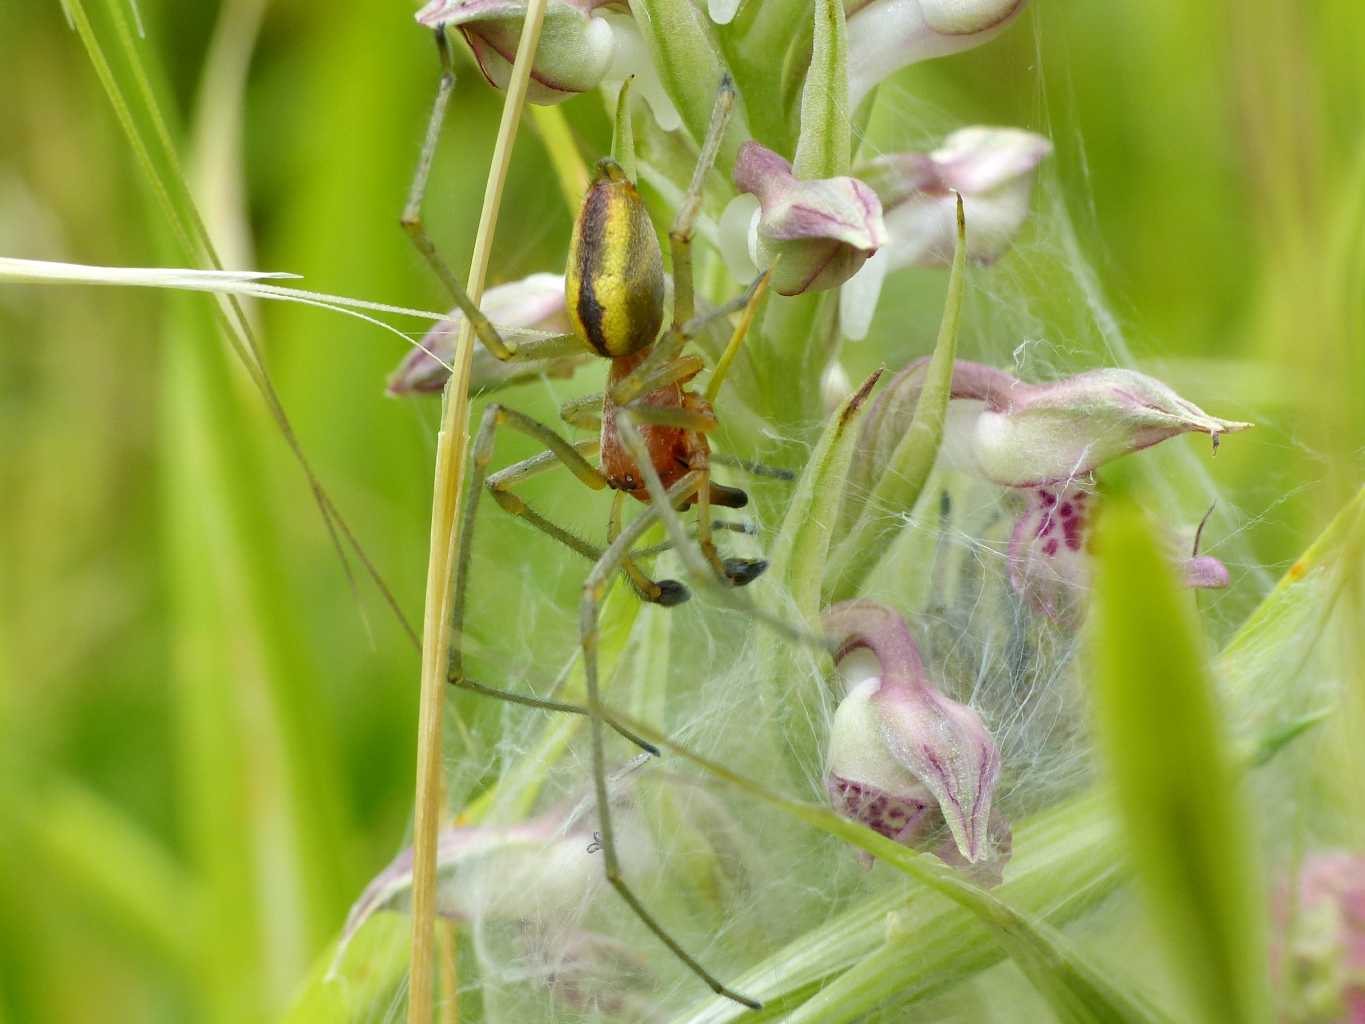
x=583 y=44
x=535 y=303
x=1045 y=440
x=903 y=758
x=993 y=169
x=814 y=235
x=887 y=35
x=1018 y=434
x=575 y=48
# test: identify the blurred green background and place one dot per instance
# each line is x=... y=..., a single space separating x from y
x=206 y=746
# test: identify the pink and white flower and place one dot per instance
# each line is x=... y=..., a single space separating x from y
x=814 y=235
x=993 y=169
x=887 y=35
x=903 y=758
x=574 y=54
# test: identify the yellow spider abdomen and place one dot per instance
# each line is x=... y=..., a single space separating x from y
x=614 y=283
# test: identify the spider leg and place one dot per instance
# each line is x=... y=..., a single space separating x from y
x=655 y=373
x=412 y=211
x=594 y=591
x=664 y=592
x=559 y=452
x=699 y=420
x=585 y=413
x=680 y=235
x=753 y=468
x=735 y=571
x=737 y=339
x=716 y=524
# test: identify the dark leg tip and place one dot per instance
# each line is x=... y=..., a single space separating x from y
x=671 y=592
x=740 y=571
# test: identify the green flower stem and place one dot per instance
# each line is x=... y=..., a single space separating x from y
x=451 y=445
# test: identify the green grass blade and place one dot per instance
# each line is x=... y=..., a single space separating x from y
x=369 y=975
x=261 y=810
x=1176 y=784
x=100 y=859
x=139 y=114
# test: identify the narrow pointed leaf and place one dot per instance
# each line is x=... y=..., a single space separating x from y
x=802 y=546
x=823 y=150
x=623 y=134
x=1176 y=786
x=907 y=471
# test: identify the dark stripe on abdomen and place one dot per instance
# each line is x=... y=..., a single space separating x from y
x=588 y=309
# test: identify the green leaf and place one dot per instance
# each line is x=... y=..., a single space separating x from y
x=369 y=975
x=1176 y=784
x=623 y=133
x=1272 y=646
x=823 y=149
x=682 y=44
x=794 y=673
x=129 y=86
x=905 y=473
x=800 y=551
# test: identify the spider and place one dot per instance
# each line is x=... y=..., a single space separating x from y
x=652 y=426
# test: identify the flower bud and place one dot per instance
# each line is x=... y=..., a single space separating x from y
x=1022 y=435
x=535 y=303
x=813 y=234
x=614 y=281
x=887 y=35
x=575 y=48
x=1319 y=958
x=904 y=759
x=1049 y=554
x=993 y=169
x=541 y=869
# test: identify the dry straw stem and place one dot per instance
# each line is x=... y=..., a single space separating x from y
x=451 y=445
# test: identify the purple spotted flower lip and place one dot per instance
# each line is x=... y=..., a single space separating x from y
x=887 y=35
x=1049 y=554
x=813 y=234
x=906 y=760
x=574 y=54
x=534 y=303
